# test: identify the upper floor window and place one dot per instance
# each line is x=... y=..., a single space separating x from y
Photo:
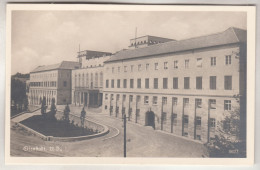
x=212 y=123
x=107 y=83
x=186 y=82
x=125 y=68
x=212 y=103
x=198 y=103
x=165 y=83
x=165 y=65
x=198 y=122
x=175 y=101
x=139 y=83
x=186 y=102
x=227 y=104
x=125 y=83
x=155 y=100
x=228 y=82
x=212 y=82
x=118 y=83
x=164 y=100
x=131 y=98
x=186 y=120
x=156 y=66
x=147 y=83
x=131 y=83
x=213 y=61
x=175 y=64
x=112 y=83
x=228 y=59
x=139 y=67
x=199 y=83
x=175 y=82
x=199 y=62
x=146 y=99
x=147 y=66
x=187 y=63
x=155 y=83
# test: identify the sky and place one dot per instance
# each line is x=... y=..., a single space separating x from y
x=49 y=37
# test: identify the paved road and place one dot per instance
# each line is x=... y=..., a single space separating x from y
x=142 y=142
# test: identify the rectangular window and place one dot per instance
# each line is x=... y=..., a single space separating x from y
x=106 y=96
x=147 y=67
x=228 y=59
x=198 y=103
x=175 y=82
x=117 y=97
x=174 y=119
x=187 y=63
x=131 y=98
x=186 y=82
x=125 y=83
x=198 y=122
x=213 y=82
x=118 y=83
x=175 y=64
x=132 y=68
x=175 y=101
x=186 y=121
x=139 y=67
x=147 y=83
x=212 y=103
x=199 y=83
x=131 y=83
x=228 y=82
x=138 y=99
x=156 y=66
x=146 y=99
x=112 y=96
x=139 y=83
x=165 y=65
x=165 y=83
x=124 y=98
x=213 y=61
x=186 y=102
x=155 y=100
x=164 y=100
x=199 y=62
x=155 y=83
x=125 y=68
x=227 y=104
x=112 y=83
x=107 y=83
x=212 y=123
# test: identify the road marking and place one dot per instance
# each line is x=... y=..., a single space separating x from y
x=114 y=135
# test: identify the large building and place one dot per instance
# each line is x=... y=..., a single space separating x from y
x=183 y=87
x=52 y=81
x=87 y=81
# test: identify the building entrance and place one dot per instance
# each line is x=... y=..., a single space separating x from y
x=149 y=119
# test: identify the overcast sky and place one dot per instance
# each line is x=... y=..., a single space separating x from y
x=49 y=37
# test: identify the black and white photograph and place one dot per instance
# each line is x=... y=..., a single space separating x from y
x=125 y=81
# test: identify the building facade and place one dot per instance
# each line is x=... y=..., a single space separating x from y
x=87 y=81
x=52 y=81
x=183 y=87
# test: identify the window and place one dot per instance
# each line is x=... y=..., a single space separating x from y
x=147 y=83
x=139 y=67
x=198 y=103
x=124 y=98
x=138 y=99
x=146 y=99
x=212 y=123
x=65 y=83
x=199 y=62
x=227 y=104
x=165 y=83
x=112 y=96
x=175 y=64
x=198 y=122
x=165 y=65
x=131 y=98
x=132 y=68
x=212 y=82
x=147 y=67
x=118 y=83
x=125 y=83
x=228 y=82
x=155 y=83
x=198 y=82
x=118 y=69
x=125 y=68
x=228 y=59
x=155 y=100
x=107 y=83
x=198 y=137
x=131 y=83
x=139 y=83
x=106 y=96
x=164 y=100
x=113 y=70
x=175 y=82
x=112 y=83
x=186 y=102
x=212 y=103
x=186 y=82
x=186 y=63
x=186 y=121
x=213 y=61
x=174 y=119
x=174 y=101
x=156 y=66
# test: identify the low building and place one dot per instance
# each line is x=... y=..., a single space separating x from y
x=183 y=87
x=87 y=81
x=51 y=81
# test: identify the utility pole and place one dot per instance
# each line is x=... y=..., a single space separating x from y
x=124 y=135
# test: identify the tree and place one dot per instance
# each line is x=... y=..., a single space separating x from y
x=43 y=107
x=26 y=103
x=66 y=113
x=82 y=117
x=53 y=108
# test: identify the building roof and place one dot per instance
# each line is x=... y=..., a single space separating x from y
x=64 y=65
x=230 y=36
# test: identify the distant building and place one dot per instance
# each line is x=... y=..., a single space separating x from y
x=87 y=81
x=51 y=81
x=183 y=87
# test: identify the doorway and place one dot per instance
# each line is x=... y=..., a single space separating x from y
x=149 y=119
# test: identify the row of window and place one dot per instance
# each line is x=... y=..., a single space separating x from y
x=199 y=80
x=43 y=84
x=83 y=80
x=213 y=62
x=48 y=75
x=186 y=101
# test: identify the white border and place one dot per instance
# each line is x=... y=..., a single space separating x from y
x=162 y=161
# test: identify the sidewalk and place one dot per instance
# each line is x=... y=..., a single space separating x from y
x=26 y=116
